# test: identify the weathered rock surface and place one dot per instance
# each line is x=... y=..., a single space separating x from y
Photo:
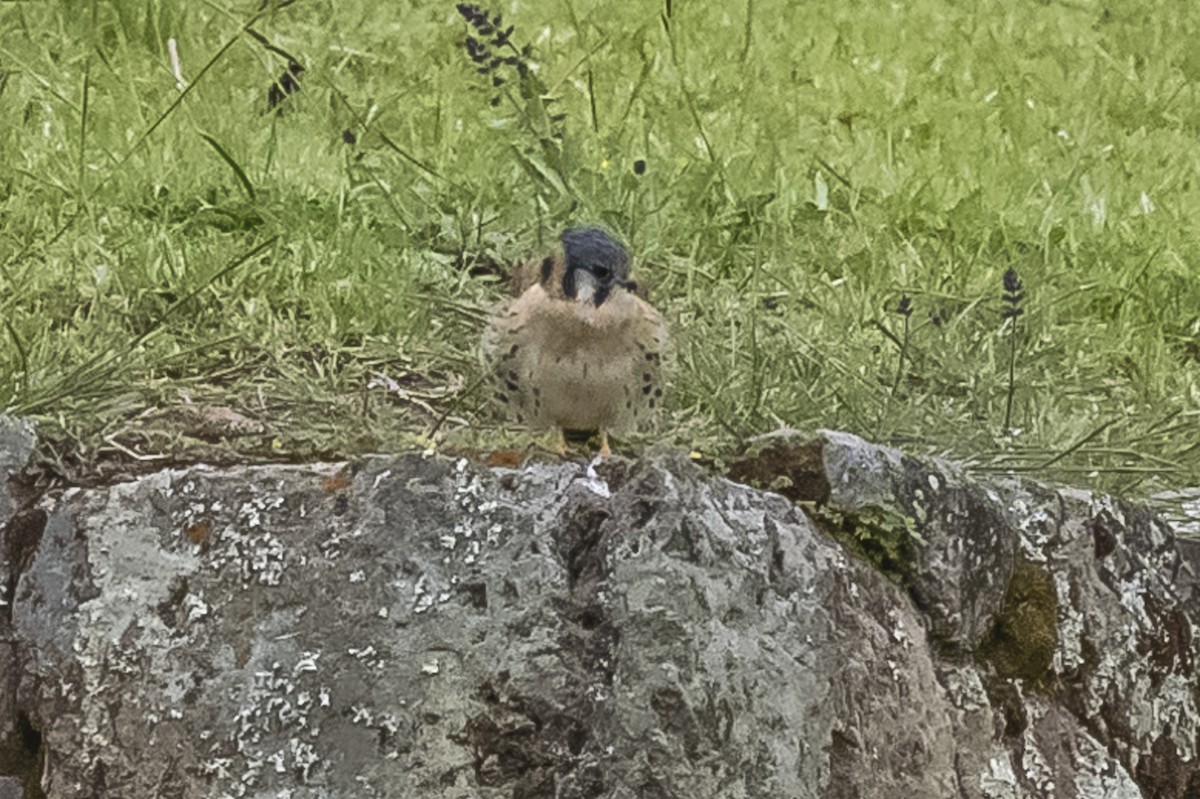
x=424 y=627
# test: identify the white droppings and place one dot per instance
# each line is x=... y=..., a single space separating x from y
x=593 y=482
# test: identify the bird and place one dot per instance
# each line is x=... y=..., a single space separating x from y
x=578 y=349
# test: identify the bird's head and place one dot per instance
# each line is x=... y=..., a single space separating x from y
x=595 y=264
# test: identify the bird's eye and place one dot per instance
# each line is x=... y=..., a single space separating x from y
x=602 y=272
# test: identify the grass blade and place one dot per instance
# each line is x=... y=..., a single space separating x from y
x=237 y=169
x=94 y=375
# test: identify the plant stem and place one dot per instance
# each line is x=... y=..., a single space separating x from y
x=1012 y=368
x=903 y=354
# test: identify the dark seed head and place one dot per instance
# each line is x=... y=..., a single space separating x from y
x=905 y=306
x=1012 y=283
x=1014 y=292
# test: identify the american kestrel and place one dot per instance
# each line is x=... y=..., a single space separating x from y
x=578 y=349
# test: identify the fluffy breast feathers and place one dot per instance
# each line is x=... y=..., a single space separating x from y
x=577 y=365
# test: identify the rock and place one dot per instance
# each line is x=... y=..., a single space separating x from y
x=426 y=627
x=17 y=441
x=16 y=447
x=11 y=788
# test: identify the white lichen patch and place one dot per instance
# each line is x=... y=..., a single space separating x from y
x=1170 y=707
x=260 y=558
x=1069 y=653
x=963 y=688
x=272 y=730
x=258 y=555
x=331 y=547
x=899 y=633
x=464 y=545
x=1097 y=776
x=196 y=607
x=1035 y=770
x=307 y=663
x=385 y=724
x=1038 y=530
x=999 y=781
x=1131 y=595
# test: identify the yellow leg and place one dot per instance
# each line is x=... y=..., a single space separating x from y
x=560 y=444
x=604 y=450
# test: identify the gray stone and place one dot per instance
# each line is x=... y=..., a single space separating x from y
x=17 y=441
x=11 y=788
x=425 y=627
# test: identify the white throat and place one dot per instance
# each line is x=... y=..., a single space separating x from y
x=585 y=286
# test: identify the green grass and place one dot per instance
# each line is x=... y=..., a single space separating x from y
x=806 y=168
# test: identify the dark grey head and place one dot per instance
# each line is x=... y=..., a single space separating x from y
x=595 y=263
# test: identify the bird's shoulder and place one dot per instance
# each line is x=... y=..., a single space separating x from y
x=546 y=272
